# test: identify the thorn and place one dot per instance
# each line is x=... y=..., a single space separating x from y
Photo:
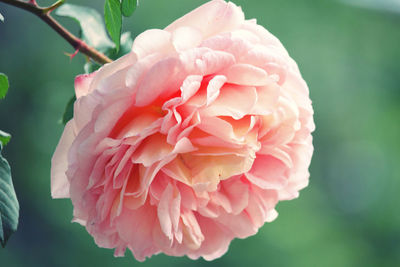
x=71 y=56
x=57 y=4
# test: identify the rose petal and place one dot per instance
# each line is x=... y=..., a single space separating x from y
x=184 y=38
x=82 y=84
x=152 y=41
x=245 y=74
x=59 y=163
x=227 y=103
x=214 y=16
x=164 y=77
x=268 y=172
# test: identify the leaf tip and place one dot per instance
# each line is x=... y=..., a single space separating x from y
x=4 y=84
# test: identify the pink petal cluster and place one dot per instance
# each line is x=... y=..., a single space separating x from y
x=189 y=141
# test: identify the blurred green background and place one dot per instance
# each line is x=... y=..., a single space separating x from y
x=347 y=216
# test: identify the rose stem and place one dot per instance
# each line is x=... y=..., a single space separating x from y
x=44 y=14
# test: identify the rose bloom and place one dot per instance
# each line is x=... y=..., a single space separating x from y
x=189 y=141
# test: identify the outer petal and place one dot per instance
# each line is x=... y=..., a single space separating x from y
x=135 y=227
x=268 y=173
x=152 y=41
x=82 y=84
x=111 y=68
x=59 y=163
x=186 y=37
x=212 y=17
x=216 y=241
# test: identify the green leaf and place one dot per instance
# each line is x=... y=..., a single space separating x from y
x=3 y=85
x=128 y=7
x=69 y=110
x=1 y=17
x=113 y=18
x=91 y=23
x=4 y=138
x=9 y=206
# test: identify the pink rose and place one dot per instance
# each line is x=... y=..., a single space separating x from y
x=189 y=141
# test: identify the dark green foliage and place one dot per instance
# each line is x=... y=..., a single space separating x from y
x=69 y=110
x=9 y=206
x=4 y=138
x=3 y=85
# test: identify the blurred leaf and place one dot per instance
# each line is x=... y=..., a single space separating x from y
x=392 y=6
x=113 y=18
x=91 y=66
x=126 y=46
x=91 y=23
x=128 y=7
x=94 y=33
x=69 y=110
x=4 y=138
x=126 y=43
x=3 y=85
x=1 y=17
x=9 y=206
